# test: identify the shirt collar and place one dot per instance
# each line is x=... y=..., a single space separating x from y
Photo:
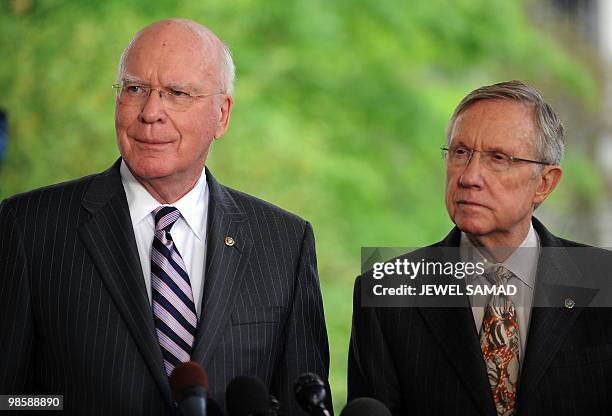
x=141 y=203
x=523 y=261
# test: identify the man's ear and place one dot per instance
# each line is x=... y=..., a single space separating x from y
x=225 y=112
x=548 y=181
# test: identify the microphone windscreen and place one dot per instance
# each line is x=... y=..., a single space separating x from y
x=186 y=375
x=310 y=392
x=246 y=395
x=365 y=406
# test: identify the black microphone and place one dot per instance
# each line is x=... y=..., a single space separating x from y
x=365 y=406
x=310 y=393
x=247 y=396
x=189 y=384
x=274 y=406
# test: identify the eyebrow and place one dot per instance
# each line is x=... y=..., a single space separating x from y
x=457 y=142
x=172 y=86
x=496 y=148
x=181 y=87
x=133 y=78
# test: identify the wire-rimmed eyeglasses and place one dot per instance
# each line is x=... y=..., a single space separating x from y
x=491 y=159
x=135 y=94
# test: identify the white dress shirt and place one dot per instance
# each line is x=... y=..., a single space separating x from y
x=524 y=264
x=188 y=233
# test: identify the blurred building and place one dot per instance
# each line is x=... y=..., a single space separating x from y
x=585 y=26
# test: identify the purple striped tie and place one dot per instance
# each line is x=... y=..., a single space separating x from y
x=173 y=307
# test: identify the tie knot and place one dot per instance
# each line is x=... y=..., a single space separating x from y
x=498 y=275
x=165 y=217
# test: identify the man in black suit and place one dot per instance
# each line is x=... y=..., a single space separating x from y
x=110 y=281
x=545 y=352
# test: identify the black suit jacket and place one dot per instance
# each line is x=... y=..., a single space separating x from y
x=75 y=318
x=428 y=361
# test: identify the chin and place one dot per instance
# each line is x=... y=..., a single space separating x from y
x=149 y=169
x=472 y=226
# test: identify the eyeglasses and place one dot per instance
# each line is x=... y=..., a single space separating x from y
x=492 y=160
x=134 y=94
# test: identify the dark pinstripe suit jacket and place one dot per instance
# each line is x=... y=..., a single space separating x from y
x=75 y=318
x=427 y=361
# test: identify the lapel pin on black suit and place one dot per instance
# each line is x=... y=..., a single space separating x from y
x=229 y=241
x=569 y=303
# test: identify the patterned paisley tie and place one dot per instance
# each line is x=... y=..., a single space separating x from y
x=500 y=344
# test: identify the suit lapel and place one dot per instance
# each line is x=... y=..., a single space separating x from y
x=456 y=333
x=226 y=263
x=551 y=321
x=454 y=329
x=109 y=237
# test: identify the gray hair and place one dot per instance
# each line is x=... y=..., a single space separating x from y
x=228 y=69
x=550 y=140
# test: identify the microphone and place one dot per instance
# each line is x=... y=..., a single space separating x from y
x=189 y=384
x=247 y=396
x=274 y=405
x=365 y=406
x=310 y=393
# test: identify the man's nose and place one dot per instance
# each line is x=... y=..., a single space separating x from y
x=153 y=108
x=472 y=172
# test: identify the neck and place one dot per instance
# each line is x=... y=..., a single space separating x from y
x=498 y=248
x=168 y=190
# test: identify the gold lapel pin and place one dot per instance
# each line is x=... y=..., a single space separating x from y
x=229 y=241
x=569 y=303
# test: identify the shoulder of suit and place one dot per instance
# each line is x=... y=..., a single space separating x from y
x=433 y=252
x=252 y=204
x=570 y=243
x=593 y=252
x=48 y=195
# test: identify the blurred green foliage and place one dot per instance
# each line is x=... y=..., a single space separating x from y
x=340 y=111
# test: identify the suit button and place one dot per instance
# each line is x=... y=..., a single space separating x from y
x=229 y=241
x=569 y=303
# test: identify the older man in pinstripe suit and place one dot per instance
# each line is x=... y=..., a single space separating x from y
x=547 y=352
x=110 y=281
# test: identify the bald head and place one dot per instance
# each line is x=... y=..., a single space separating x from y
x=210 y=54
x=164 y=138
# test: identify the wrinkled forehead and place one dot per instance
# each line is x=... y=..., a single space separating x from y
x=495 y=125
x=169 y=52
